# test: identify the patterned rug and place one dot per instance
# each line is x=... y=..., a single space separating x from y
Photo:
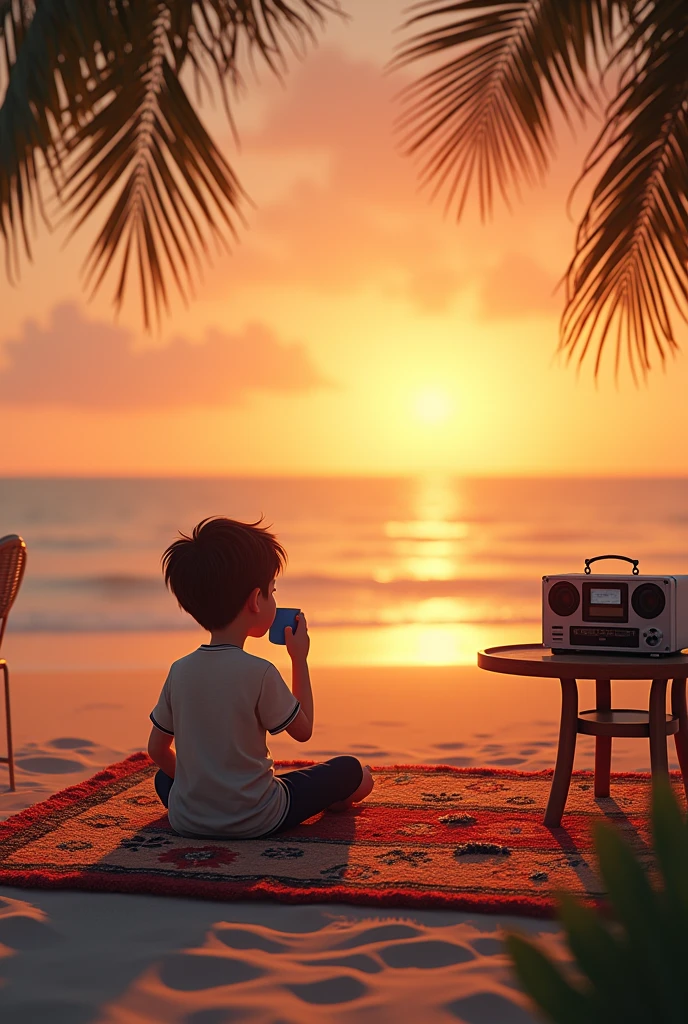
x=429 y=836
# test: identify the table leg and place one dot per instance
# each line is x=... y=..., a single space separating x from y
x=679 y=709
x=603 y=744
x=568 y=730
x=659 y=761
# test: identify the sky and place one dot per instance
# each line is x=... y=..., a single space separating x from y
x=355 y=328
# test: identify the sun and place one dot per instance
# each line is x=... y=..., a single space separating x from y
x=432 y=406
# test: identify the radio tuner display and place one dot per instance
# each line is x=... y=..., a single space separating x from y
x=605 y=596
x=605 y=603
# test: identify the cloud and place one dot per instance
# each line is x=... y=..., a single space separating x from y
x=346 y=213
x=518 y=287
x=351 y=217
x=91 y=365
x=340 y=210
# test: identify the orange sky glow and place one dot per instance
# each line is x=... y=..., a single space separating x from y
x=354 y=329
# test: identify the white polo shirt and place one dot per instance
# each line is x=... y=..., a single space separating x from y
x=219 y=702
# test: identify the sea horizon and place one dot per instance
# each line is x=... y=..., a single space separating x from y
x=396 y=570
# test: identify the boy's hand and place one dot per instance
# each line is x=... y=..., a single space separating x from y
x=298 y=641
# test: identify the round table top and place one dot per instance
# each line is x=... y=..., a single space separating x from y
x=538 y=660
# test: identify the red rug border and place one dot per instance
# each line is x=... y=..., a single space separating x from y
x=400 y=899
x=131 y=884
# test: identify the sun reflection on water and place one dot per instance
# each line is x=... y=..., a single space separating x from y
x=426 y=530
x=429 y=547
x=416 y=644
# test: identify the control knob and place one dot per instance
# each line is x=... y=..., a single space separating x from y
x=653 y=637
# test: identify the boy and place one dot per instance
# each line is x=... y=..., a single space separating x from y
x=219 y=702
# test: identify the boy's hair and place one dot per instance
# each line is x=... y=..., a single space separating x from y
x=212 y=572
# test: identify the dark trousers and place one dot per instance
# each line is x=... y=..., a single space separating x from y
x=310 y=790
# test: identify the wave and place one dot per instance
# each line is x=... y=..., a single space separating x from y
x=457 y=586
x=51 y=623
x=75 y=542
x=118 y=583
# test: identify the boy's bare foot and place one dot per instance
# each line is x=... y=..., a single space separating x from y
x=364 y=790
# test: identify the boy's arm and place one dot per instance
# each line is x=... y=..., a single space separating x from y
x=160 y=751
x=298 y=645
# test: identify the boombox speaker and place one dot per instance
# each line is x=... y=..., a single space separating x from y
x=622 y=614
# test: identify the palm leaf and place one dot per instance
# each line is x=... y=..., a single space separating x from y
x=147 y=153
x=93 y=87
x=485 y=114
x=51 y=55
x=630 y=268
x=543 y=981
x=604 y=961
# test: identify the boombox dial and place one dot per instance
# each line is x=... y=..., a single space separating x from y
x=564 y=598
x=653 y=637
x=648 y=601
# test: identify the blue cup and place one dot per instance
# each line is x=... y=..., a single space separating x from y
x=283 y=617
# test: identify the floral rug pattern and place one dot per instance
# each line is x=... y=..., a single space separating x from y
x=432 y=836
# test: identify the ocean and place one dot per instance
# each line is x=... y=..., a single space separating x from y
x=389 y=571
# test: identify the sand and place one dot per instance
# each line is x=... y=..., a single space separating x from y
x=67 y=958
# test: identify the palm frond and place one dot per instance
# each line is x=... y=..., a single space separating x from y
x=147 y=154
x=630 y=268
x=485 y=114
x=48 y=65
x=263 y=26
x=93 y=87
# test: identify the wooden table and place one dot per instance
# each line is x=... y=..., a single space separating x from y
x=603 y=721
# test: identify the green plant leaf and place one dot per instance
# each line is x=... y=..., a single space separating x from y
x=546 y=985
x=670 y=835
x=603 y=959
x=638 y=910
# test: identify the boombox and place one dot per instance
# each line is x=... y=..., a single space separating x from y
x=623 y=614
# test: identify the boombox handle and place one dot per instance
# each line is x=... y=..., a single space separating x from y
x=623 y=558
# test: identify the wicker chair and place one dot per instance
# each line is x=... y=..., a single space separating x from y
x=12 y=564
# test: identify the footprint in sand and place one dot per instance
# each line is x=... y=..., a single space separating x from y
x=219 y=1015
x=378 y=933
x=455 y=761
x=19 y=931
x=488 y=946
x=46 y=1011
x=244 y=938
x=303 y=920
x=49 y=765
x=425 y=954
x=489 y=1006
x=69 y=743
x=340 y=989
x=193 y=972
x=354 y=961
